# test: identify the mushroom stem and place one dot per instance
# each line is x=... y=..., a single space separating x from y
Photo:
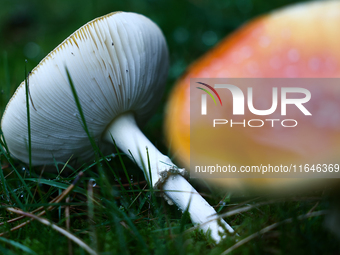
x=129 y=138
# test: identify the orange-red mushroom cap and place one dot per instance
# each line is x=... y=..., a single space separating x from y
x=300 y=41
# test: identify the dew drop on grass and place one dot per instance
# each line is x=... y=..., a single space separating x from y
x=93 y=181
x=23 y=169
x=31 y=50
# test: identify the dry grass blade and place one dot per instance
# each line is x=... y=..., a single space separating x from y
x=238 y=210
x=68 y=224
x=270 y=227
x=314 y=207
x=55 y=227
x=138 y=196
x=90 y=207
x=4 y=167
x=55 y=200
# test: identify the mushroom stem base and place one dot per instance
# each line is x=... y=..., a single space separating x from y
x=133 y=143
x=183 y=194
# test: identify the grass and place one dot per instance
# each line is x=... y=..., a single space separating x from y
x=123 y=224
x=111 y=209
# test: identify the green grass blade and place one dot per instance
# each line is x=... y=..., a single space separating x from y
x=123 y=165
x=185 y=217
x=115 y=211
x=3 y=182
x=121 y=238
x=7 y=80
x=58 y=185
x=149 y=168
x=11 y=192
x=83 y=120
x=18 y=245
x=81 y=113
x=28 y=118
x=16 y=171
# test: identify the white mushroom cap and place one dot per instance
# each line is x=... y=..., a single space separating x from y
x=118 y=64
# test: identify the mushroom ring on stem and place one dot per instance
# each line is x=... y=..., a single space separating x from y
x=118 y=64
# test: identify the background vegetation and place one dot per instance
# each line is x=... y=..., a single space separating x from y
x=123 y=216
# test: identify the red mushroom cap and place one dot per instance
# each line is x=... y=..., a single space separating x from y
x=300 y=41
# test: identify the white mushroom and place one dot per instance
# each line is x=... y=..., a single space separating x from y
x=119 y=65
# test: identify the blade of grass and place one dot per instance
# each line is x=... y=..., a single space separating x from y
x=136 y=197
x=28 y=118
x=9 y=159
x=90 y=207
x=147 y=173
x=80 y=110
x=4 y=183
x=241 y=210
x=270 y=227
x=7 y=80
x=123 y=165
x=121 y=238
x=12 y=194
x=152 y=191
x=83 y=122
x=224 y=201
x=149 y=168
x=49 y=208
x=18 y=245
x=68 y=224
x=55 y=184
x=115 y=211
x=185 y=216
x=55 y=227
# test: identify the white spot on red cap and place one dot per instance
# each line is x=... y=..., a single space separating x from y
x=246 y=52
x=291 y=71
x=235 y=56
x=314 y=63
x=293 y=55
x=285 y=33
x=331 y=64
x=275 y=62
x=252 y=68
x=264 y=41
